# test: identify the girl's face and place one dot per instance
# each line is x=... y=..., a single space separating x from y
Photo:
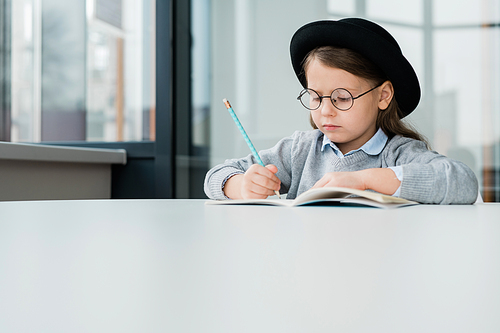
x=350 y=129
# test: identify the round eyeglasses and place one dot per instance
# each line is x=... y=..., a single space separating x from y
x=341 y=98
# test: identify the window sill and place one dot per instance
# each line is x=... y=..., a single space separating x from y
x=41 y=153
x=38 y=172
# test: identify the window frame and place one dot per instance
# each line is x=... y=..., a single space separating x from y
x=152 y=162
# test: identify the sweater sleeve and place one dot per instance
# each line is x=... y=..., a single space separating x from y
x=429 y=177
x=280 y=155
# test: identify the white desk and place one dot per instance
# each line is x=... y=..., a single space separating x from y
x=181 y=266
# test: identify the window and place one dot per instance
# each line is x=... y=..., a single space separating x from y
x=83 y=70
x=84 y=73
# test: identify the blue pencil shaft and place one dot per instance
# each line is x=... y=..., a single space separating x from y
x=245 y=136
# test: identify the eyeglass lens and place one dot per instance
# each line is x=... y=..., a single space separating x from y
x=341 y=99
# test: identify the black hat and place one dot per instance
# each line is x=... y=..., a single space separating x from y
x=368 y=39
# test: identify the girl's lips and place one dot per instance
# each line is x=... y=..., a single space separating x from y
x=330 y=127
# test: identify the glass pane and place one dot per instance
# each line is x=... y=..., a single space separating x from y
x=25 y=104
x=458 y=90
x=468 y=114
x=465 y=12
x=83 y=70
x=62 y=70
x=120 y=71
x=408 y=12
x=201 y=70
x=341 y=7
x=251 y=68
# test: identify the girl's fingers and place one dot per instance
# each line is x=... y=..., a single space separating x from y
x=321 y=183
x=264 y=177
x=351 y=179
x=261 y=191
x=272 y=168
x=260 y=182
x=264 y=181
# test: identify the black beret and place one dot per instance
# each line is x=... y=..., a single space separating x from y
x=368 y=39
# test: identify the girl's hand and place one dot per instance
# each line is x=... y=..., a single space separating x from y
x=382 y=180
x=257 y=182
x=353 y=179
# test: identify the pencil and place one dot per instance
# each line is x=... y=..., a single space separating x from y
x=245 y=136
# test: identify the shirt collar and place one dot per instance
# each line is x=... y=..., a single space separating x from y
x=372 y=147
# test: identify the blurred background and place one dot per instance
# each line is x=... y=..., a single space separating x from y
x=87 y=71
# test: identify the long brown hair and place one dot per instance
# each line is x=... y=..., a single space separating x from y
x=350 y=61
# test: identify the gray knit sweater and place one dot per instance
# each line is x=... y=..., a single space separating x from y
x=428 y=177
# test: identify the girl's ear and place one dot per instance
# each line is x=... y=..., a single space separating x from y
x=386 y=95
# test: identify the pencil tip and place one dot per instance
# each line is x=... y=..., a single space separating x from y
x=226 y=103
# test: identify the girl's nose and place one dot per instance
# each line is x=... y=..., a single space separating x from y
x=327 y=109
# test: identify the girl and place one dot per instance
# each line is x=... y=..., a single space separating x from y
x=357 y=87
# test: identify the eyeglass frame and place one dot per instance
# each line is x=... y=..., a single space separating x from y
x=331 y=99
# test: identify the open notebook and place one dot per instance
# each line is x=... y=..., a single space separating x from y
x=327 y=196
